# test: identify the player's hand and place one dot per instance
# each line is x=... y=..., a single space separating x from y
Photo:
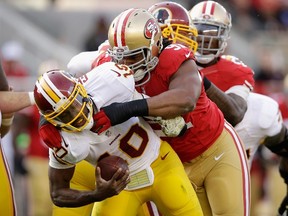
x=117 y=113
x=113 y=186
x=50 y=135
x=108 y=116
x=283 y=209
x=173 y=127
x=101 y=122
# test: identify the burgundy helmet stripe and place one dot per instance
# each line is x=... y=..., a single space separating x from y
x=119 y=34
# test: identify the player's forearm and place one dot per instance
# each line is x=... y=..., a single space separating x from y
x=74 y=198
x=14 y=101
x=171 y=104
x=278 y=143
x=233 y=108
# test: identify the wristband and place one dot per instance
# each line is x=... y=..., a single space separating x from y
x=7 y=121
x=207 y=83
x=31 y=98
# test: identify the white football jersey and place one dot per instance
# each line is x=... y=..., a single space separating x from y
x=133 y=140
x=81 y=63
x=261 y=119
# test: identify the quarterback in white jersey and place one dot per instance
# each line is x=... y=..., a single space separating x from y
x=153 y=164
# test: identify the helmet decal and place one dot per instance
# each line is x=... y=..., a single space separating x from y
x=175 y=23
x=162 y=15
x=151 y=28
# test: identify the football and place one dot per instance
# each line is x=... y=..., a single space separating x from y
x=109 y=166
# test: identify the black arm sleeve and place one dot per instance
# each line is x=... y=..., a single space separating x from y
x=121 y=112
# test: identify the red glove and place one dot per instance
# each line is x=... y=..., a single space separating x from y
x=101 y=122
x=50 y=135
x=117 y=113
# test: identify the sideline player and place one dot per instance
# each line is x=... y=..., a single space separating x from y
x=153 y=164
x=210 y=149
x=10 y=102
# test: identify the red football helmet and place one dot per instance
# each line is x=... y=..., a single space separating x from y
x=175 y=23
x=63 y=101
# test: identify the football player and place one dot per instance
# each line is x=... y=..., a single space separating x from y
x=212 y=154
x=233 y=77
x=10 y=102
x=228 y=73
x=71 y=104
x=83 y=178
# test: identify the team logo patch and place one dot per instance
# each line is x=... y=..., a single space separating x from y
x=161 y=15
x=151 y=27
x=206 y=16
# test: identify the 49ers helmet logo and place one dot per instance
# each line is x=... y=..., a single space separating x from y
x=150 y=28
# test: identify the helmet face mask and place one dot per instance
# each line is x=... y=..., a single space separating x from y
x=63 y=101
x=133 y=35
x=213 y=23
x=175 y=23
x=211 y=39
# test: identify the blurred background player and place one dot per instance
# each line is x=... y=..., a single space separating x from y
x=176 y=89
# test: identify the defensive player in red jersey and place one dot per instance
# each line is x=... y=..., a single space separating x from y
x=240 y=106
x=211 y=152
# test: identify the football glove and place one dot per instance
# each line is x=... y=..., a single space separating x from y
x=173 y=127
x=117 y=113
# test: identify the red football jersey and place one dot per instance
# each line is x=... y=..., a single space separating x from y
x=207 y=120
x=229 y=71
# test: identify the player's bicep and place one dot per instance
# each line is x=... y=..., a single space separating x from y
x=187 y=78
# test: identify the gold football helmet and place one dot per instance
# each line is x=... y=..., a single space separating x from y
x=213 y=23
x=175 y=23
x=135 y=40
x=63 y=101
